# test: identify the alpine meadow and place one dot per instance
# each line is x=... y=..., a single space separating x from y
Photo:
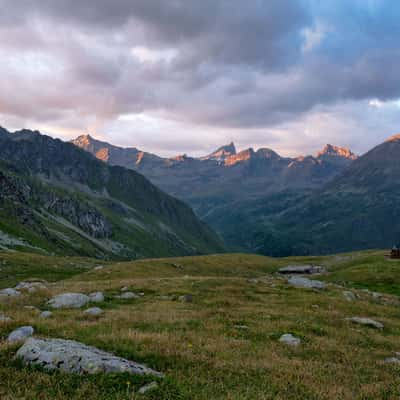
x=199 y=200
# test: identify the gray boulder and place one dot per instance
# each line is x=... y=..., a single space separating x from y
x=20 y=334
x=186 y=298
x=9 y=292
x=69 y=300
x=46 y=314
x=366 y=321
x=74 y=357
x=94 y=311
x=128 y=296
x=96 y=297
x=290 y=340
x=300 y=282
x=30 y=286
x=301 y=270
x=392 y=360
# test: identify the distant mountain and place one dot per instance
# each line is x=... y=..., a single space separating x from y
x=234 y=192
x=54 y=197
x=222 y=153
x=358 y=209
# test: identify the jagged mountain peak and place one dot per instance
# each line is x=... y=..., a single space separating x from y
x=222 y=152
x=336 y=151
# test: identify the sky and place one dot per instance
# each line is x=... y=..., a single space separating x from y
x=186 y=76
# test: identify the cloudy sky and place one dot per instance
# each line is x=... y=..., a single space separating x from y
x=175 y=76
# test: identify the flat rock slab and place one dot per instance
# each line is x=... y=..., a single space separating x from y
x=69 y=300
x=20 y=334
x=74 y=357
x=300 y=282
x=302 y=270
x=290 y=340
x=366 y=321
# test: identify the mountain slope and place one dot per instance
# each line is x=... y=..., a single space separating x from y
x=64 y=200
x=236 y=193
x=359 y=209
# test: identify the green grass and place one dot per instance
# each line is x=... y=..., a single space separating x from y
x=202 y=346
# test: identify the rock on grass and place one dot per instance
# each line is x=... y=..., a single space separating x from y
x=9 y=292
x=148 y=388
x=95 y=311
x=69 y=300
x=290 y=340
x=45 y=314
x=306 y=283
x=74 y=357
x=366 y=321
x=20 y=334
x=96 y=297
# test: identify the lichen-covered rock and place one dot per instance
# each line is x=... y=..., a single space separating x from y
x=302 y=270
x=290 y=340
x=366 y=321
x=69 y=300
x=301 y=282
x=74 y=357
x=96 y=297
x=20 y=334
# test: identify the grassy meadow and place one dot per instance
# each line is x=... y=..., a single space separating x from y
x=225 y=343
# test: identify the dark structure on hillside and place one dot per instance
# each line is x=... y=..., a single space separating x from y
x=395 y=252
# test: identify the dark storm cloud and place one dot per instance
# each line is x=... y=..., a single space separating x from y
x=228 y=63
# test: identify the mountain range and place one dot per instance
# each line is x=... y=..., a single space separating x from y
x=240 y=194
x=57 y=198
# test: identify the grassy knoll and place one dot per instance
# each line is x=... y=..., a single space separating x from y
x=224 y=344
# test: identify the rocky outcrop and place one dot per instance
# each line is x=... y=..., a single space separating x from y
x=79 y=214
x=74 y=357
